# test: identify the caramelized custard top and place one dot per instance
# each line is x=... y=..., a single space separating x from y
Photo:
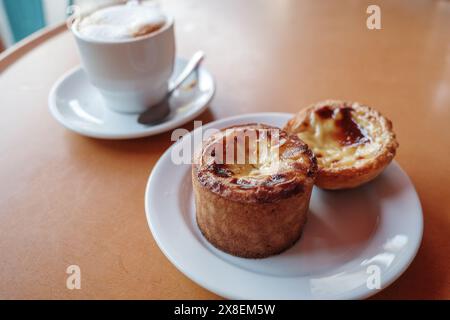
x=255 y=162
x=342 y=134
x=348 y=131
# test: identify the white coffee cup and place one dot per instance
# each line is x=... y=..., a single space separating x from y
x=131 y=74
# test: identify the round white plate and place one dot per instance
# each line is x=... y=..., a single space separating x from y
x=353 y=240
x=79 y=107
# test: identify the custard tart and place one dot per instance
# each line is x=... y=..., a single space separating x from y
x=252 y=185
x=353 y=143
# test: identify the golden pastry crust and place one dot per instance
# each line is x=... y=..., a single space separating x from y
x=353 y=143
x=248 y=208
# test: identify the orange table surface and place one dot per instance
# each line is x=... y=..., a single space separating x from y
x=67 y=199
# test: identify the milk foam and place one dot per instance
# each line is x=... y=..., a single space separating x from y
x=121 y=22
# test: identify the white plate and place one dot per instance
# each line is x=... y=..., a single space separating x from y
x=349 y=236
x=78 y=106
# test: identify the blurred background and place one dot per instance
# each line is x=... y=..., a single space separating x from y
x=20 y=18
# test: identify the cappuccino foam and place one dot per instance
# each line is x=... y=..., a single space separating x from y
x=121 y=22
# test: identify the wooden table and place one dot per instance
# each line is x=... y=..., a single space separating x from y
x=66 y=199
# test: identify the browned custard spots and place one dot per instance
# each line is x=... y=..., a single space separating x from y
x=326 y=112
x=276 y=178
x=348 y=131
x=245 y=176
x=221 y=170
x=246 y=183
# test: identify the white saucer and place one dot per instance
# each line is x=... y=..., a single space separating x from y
x=349 y=236
x=78 y=106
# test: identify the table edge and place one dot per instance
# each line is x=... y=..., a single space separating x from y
x=15 y=52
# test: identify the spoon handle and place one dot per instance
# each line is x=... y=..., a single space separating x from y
x=193 y=63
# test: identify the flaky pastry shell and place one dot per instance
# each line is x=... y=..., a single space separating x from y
x=353 y=143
